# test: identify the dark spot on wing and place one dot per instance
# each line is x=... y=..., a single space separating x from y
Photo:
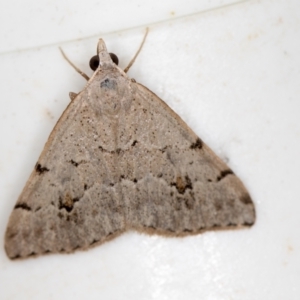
x=67 y=203
x=40 y=169
x=246 y=199
x=74 y=163
x=224 y=173
x=22 y=206
x=197 y=145
x=134 y=143
x=182 y=184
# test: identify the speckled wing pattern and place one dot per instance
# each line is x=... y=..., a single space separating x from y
x=119 y=159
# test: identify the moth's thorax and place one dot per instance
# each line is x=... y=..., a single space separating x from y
x=110 y=92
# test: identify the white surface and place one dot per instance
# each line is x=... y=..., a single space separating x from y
x=31 y=23
x=233 y=75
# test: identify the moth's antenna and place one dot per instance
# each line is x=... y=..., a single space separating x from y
x=137 y=53
x=76 y=69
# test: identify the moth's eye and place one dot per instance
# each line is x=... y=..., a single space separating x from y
x=114 y=58
x=94 y=62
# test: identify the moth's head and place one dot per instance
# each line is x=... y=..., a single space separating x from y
x=103 y=58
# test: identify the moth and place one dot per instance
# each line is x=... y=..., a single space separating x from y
x=118 y=159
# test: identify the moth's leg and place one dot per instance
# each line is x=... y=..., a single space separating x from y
x=137 y=53
x=72 y=95
x=76 y=69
